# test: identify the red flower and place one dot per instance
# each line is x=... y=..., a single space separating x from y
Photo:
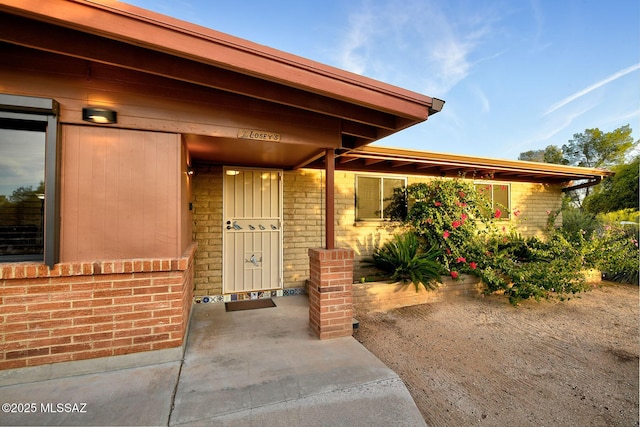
x=437 y=203
x=456 y=224
x=498 y=213
x=473 y=265
x=516 y=212
x=445 y=234
x=461 y=194
x=448 y=251
x=464 y=216
x=454 y=274
x=461 y=259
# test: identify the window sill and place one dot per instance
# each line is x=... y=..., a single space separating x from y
x=377 y=223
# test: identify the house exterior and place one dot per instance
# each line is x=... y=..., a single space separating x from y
x=170 y=163
x=533 y=190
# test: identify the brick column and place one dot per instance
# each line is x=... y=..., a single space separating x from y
x=330 y=292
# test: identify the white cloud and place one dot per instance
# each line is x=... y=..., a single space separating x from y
x=485 y=106
x=591 y=88
x=545 y=133
x=352 y=54
x=413 y=44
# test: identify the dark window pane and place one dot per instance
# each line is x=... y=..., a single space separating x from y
x=22 y=155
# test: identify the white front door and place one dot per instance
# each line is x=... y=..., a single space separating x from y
x=252 y=230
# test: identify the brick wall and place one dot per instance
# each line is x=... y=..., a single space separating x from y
x=303 y=210
x=330 y=292
x=86 y=310
x=376 y=296
x=207 y=230
x=303 y=218
x=534 y=201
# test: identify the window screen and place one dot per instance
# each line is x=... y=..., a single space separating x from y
x=374 y=194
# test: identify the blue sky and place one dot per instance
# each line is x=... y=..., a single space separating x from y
x=516 y=75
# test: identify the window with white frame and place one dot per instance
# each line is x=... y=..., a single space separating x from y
x=499 y=196
x=374 y=194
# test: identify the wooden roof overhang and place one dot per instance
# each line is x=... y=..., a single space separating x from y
x=117 y=35
x=415 y=162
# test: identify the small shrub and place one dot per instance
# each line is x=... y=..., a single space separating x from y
x=614 y=251
x=404 y=261
x=576 y=223
x=621 y=216
x=529 y=268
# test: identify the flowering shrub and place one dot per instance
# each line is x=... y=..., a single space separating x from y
x=449 y=214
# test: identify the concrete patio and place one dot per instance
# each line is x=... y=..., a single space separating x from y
x=257 y=367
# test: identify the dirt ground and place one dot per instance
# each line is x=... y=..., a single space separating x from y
x=480 y=361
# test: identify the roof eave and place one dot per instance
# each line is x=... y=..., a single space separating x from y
x=487 y=162
x=130 y=24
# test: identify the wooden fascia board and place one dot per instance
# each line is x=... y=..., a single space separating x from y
x=96 y=49
x=453 y=168
x=480 y=163
x=140 y=27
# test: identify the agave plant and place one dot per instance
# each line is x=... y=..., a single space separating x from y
x=403 y=259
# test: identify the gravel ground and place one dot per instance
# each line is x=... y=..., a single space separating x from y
x=480 y=361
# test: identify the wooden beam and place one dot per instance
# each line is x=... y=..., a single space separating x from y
x=422 y=166
x=399 y=164
x=309 y=160
x=369 y=162
x=329 y=197
x=359 y=130
x=346 y=159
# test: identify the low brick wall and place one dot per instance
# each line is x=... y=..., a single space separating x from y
x=379 y=296
x=78 y=311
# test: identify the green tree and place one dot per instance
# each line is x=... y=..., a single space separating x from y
x=551 y=154
x=595 y=149
x=616 y=192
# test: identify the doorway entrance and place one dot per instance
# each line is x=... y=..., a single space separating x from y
x=252 y=230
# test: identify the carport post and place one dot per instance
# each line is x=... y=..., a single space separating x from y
x=330 y=274
x=329 y=197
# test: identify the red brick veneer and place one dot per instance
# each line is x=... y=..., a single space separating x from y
x=330 y=292
x=85 y=310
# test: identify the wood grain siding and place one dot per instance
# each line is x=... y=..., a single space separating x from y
x=186 y=197
x=121 y=193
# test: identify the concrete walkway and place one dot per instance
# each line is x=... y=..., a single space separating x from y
x=247 y=368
